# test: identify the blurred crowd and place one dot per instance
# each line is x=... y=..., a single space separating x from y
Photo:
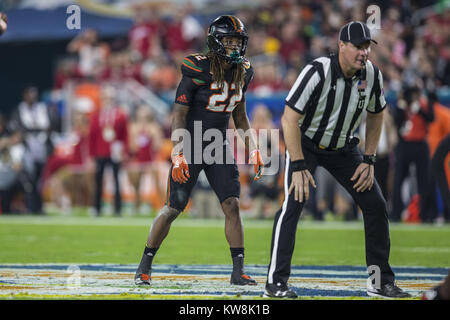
x=284 y=36
x=39 y=160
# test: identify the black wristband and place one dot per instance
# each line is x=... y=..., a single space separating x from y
x=298 y=165
x=369 y=159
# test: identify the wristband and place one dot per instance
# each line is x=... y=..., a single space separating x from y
x=369 y=159
x=298 y=165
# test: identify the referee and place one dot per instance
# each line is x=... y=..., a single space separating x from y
x=323 y=109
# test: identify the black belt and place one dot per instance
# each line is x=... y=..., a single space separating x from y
x=311 y=145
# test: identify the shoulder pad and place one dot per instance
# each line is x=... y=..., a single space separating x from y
x=194 y=66
x=190 y=64
x=199 y=57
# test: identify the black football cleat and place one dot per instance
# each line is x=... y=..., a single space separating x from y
x=142 y=276
x=242 y=280
x=143 y=279
x=388 y=290
x=278 y=291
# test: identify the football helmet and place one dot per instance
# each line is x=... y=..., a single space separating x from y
x=227 y=26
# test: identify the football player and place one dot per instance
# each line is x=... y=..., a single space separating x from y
x=211 y=90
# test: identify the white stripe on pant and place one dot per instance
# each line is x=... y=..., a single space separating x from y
x=273 y=262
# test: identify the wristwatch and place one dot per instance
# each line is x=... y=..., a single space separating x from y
x=370 y=158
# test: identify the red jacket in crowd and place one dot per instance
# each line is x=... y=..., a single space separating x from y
x=108 y=134
x=417 y=123
x=141 y=37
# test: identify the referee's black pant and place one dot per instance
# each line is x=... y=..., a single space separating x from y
x=342 y=165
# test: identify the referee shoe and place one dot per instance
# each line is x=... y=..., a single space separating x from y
x=388 y=290
x=278 y=290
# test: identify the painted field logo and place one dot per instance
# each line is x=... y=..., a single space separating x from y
x=74 y=279
x=181 y=282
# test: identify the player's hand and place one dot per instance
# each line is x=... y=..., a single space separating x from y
x=258 y=164
x=364 y=177
x=180 y=170
x=300 y=184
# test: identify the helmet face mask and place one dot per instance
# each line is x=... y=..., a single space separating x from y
x=227 y=26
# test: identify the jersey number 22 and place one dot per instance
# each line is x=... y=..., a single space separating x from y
x=216 y=101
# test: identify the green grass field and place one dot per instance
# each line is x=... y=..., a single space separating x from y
x=72 y=239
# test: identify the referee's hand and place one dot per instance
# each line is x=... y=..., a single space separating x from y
x=364 y=177
x=300 y=184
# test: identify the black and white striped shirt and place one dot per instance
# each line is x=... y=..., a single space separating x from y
x=332 y=104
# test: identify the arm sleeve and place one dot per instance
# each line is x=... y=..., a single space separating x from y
x=186 y=90
x=302 y=89
x=193 y=76
x=377 y=101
